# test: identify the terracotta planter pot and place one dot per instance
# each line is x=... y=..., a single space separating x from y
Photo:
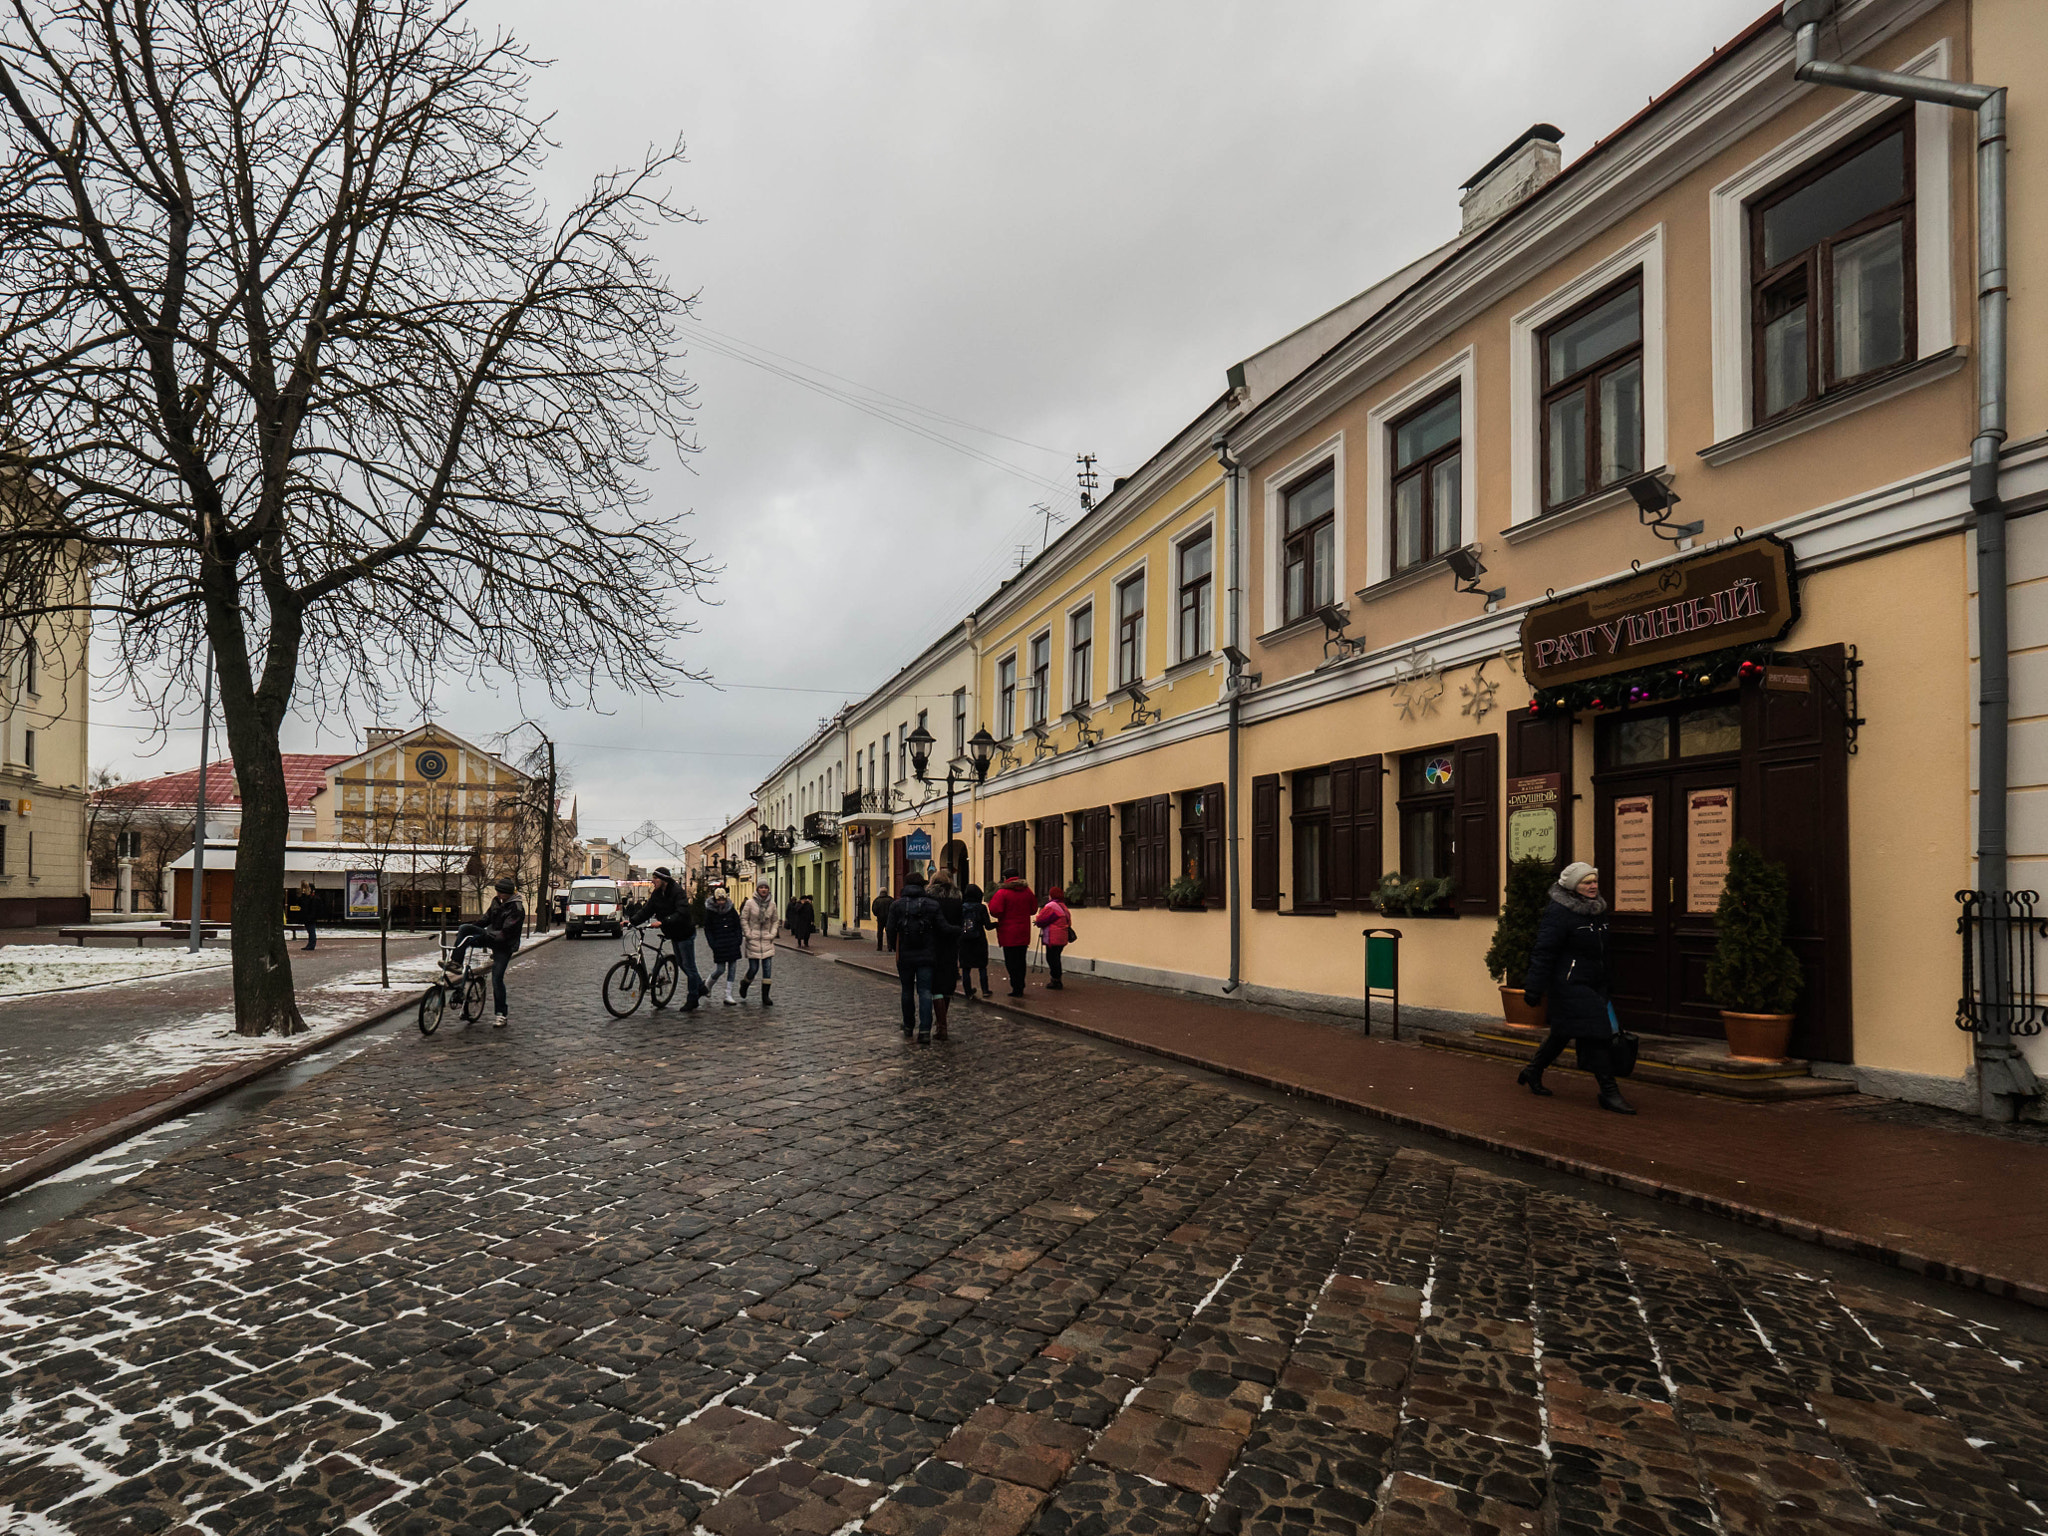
x=1516 y=1010
x=1764 y=1036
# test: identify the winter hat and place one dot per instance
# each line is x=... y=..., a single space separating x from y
x=505 y=884
x=1575 y=875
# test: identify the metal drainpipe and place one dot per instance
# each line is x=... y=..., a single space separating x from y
x=2004 y=1079
x=1234 y=554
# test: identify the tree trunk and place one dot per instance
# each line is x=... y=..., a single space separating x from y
x=266 y=1002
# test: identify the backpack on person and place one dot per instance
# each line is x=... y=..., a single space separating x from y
x=913 y=925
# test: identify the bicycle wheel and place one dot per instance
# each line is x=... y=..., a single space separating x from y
x=473 y=999
x=431 y=1005
x=624 y=984
x=662 y=987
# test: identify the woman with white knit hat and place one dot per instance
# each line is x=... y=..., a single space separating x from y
x=1568 y=974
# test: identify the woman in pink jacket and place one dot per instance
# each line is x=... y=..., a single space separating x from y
x=1057 y=925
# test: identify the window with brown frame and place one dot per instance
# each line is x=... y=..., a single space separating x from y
x=1010 y=848
x=1309 y=543
x=1144 y=847
x=1049 y=854
x=1197 y=565
x=1006 y=697
x=1041 y=678
x=1201 y=842
x=1310 y=815
x=1081 y=656
x=1832 y=272
x=1429 y=482
x=1593 y=396
x=1130 y=631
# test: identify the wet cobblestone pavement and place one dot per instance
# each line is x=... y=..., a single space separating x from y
x=781 y=1272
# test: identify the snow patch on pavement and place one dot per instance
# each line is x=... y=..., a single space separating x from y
x=26 y=969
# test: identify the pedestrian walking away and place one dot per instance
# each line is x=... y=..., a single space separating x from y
x=304 y=905
x=1056 y=923
x=803 y=921
x=723 y=932
x=1568 y=976
x=759 y=924
x=668 y=907
x=974 y=926
x=503 y=925
x=915 y=925
x=880 y=907
x=1011 y=907
x=946 y=948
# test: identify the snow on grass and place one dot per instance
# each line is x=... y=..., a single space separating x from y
x=32 y=968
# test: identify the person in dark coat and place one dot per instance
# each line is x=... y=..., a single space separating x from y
x=669 y=909
x=915 y=927
x=727 y=939
x=802 y=921
x=503 y=925
x=1568 y=976
x=946 y=950
x=305 y=907
x=975 y=924
x=880 y=907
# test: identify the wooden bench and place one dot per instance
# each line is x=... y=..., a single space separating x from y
x=142 y=935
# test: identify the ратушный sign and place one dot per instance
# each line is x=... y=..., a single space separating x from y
x=1744 y=594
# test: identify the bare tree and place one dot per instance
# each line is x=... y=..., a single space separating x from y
x=310 y=376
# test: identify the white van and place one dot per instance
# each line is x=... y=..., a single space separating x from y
x=593 y=904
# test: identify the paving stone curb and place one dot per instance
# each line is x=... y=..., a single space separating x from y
x=1911 y=1260
x=86 y=1144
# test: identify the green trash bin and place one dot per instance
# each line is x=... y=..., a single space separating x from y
x=1383 y=972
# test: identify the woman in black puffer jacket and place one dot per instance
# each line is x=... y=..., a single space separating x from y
x=1568 y=975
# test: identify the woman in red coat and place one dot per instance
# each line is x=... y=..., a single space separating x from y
x=1011 y=907
x=1057 y=924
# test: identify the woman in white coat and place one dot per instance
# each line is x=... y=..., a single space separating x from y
x=759 y=924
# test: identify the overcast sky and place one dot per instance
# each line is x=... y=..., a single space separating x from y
x=1032 y=230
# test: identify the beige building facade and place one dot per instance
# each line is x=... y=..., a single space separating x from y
x=44 y=713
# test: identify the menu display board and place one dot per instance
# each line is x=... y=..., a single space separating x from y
x=1532 y=816
x=1709 y=829
x=1635 y=846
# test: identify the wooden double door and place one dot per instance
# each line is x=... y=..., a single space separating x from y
x=1673 y=786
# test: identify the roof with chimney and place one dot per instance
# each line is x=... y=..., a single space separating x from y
x=305 y=775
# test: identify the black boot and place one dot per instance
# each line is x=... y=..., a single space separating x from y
x=1610 y=1097
x=1531 y=1078
x=766 y=1000
x=745 y=982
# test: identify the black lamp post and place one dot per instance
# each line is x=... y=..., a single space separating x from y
x=982 y=748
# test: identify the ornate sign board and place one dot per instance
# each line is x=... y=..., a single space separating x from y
x=1532 y=816
x=1744 y=594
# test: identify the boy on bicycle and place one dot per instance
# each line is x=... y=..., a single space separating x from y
x=500 y=931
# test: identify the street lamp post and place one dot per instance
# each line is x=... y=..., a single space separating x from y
x=982 y=748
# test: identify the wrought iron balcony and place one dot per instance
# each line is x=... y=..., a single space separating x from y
x=876 y=804
x=822 y=827
x=782 y=840
x=751 y=853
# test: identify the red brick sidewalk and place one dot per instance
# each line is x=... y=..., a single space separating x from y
x=1951 y=1204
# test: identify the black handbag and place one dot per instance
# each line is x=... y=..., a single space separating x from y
x=1623 y=1049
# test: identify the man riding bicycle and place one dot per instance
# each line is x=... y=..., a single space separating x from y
x=667 y=906
x=500 y=932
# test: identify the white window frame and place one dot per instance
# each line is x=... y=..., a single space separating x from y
x=1525 y=367
x=1461 y=370
x=1089 y=606
x=1933 y=225
x=1331 y=451
x=1192 y=534
x=1142 y=571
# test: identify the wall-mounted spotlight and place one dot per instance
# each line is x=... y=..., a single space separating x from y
x=1467 y=568
x=1081 y=713
x=1654 y=501
x=1336 y=619
x=1140 y=715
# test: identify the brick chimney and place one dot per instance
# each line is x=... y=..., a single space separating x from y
x=1511 y=177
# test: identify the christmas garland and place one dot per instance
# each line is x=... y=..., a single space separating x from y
x=1648 y=685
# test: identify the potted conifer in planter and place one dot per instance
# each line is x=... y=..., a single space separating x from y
x=1514 y=938
x=1754 y=975
x=1185 y=894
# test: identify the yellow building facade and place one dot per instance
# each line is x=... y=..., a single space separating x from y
x=1635 y=519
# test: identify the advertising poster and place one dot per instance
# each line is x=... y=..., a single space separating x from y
x=1532 y=816
x=1709 y=829
x=1635 y=844
x=362 y=893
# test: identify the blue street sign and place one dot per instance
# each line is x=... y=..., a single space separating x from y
x=918 y=845
x=956 y=822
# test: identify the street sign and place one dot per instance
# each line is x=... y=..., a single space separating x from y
x=918 y=845
x=958 y=817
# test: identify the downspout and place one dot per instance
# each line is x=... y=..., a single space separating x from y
x=1233 y=687
x=2004 y=1080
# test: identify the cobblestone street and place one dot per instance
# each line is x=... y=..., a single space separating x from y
x=778 y=1271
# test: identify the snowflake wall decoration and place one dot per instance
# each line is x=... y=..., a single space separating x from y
x=1418 y=684
x=1479 y=693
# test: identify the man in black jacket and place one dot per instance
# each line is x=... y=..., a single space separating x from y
x=915 y=926
x=503 y=926
x=880 y=907
x=667 y=906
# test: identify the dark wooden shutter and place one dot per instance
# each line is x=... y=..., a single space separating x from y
x=1050 y=854
x=1098 y=854
x=988 y=860
x=1266 y=841
x=1368 y=852
x=1215 y=873
x=1543 y=744
x=1475 y=819
x=1338 y=890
